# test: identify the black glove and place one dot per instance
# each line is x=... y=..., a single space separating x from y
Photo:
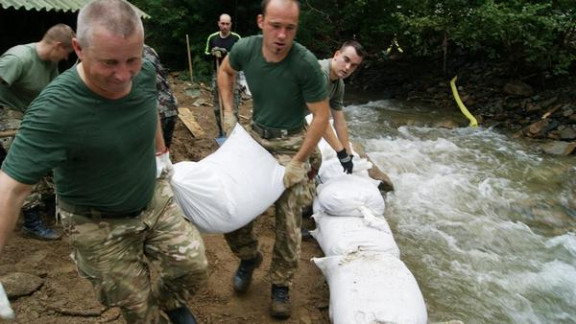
x=346 y=161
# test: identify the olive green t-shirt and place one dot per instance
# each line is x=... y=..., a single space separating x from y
x=280 y=90
x=25 y=75
x=101 y=150
x=335 y=89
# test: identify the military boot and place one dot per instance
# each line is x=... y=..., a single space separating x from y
x=280 y=307
x=243 y=276
x=35 y=227
x=181 y=315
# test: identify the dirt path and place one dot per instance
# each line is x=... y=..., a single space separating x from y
x=65 y=298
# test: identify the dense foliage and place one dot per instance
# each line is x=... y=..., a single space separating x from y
x=530 y=36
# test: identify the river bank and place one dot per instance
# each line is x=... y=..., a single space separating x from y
x=543 y=109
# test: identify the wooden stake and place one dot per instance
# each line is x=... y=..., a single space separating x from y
x=8 y=133
x=189 y=58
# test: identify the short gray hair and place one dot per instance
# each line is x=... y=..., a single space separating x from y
x=117 y=16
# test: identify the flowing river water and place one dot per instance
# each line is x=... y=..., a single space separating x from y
x=486 y=223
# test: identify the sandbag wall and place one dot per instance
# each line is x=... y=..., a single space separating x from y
x=368 y=281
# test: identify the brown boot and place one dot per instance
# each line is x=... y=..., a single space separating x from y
x=280 y=302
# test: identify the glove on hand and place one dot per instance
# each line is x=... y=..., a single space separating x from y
x=164 y=166
x=294 y=173
x=218 y=51
x=346 y=161
x=228 y=123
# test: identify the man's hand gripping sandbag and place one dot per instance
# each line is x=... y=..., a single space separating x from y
x=295 y=172
x=164 y=166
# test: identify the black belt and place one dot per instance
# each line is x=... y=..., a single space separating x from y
x=94 y=213
x=270 y=133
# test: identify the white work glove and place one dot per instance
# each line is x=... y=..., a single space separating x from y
x=6 y=312
x=164 y=166
x=218 y=51
x=295 y=172
x=229 y=122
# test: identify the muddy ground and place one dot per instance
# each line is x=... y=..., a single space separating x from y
x=64 y=298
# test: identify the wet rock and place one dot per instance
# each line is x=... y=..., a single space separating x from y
x=532 y=107
x=567 y=133
x=450 y=124
x=549 y=102
x=518 y=88
x=558 y=148
x=541 y=128
x=18 y=284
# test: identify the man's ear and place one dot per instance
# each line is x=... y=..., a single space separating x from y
x=336 y=54
x=77 y=47
x=260 y=21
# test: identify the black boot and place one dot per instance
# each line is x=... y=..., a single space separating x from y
x=243 y=276
x=280 y=307
x=35 y=227
x=181 y=315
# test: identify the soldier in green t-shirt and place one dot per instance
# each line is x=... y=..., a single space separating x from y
x=97 y=126
x=344 y=62
x=286 y=82
x=25 y=70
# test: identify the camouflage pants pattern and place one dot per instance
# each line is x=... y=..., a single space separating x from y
x=288 y=220
x=41 y=191
x=216 y=99
x=113 y=254
x=44 y=189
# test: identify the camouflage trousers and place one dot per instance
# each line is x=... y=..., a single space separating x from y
x=216 y=99
x=41 y=192
x=115 y=254
x=44 y=189
x=288 y=220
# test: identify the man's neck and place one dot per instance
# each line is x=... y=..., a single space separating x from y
x=225 y=35
x=333 y=76
x=95 y=89
x=272 y=57
x=43 y=50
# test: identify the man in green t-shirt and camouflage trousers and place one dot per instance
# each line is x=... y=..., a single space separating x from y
x=97 y=126
x=344 y=62
x=25 y=70
x=286 y=82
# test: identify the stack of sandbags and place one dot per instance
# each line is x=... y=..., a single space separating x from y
x=368 y=282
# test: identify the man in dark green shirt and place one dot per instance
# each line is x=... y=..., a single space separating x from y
x=97 y=126
x=25 y=70
x=286 y=82
x=344 y=62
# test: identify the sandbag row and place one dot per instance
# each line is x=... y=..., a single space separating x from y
x=367 y=280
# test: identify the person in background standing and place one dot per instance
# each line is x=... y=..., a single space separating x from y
x=218 y=45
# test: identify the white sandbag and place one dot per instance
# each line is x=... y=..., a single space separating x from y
x=343 y=235
x=332 y=169
x=230 y=187
x=367 y=288
x=343 y=195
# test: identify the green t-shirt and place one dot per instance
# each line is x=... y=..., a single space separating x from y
x=101 y=150
x=280 y=90
x=335 y=89
x=25 y=75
